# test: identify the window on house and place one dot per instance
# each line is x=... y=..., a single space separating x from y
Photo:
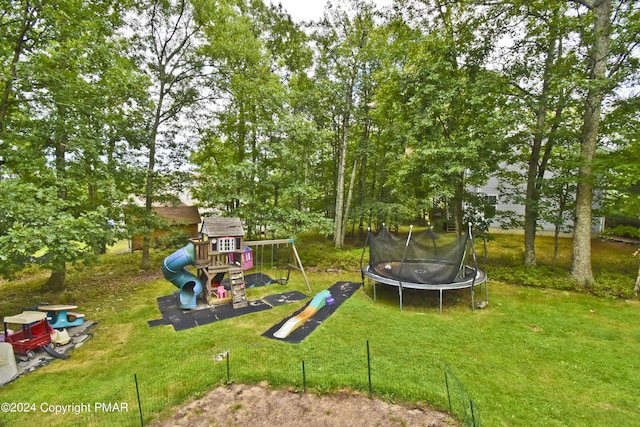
x=226 y=244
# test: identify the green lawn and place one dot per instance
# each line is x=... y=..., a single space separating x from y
x=534 y=356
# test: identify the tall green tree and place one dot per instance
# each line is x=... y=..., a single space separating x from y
x=168 y=37
x=549 y=105
x=535 y=55
x=611 y=38
x=64 y=60
x=343 y=37
x=449 y=105
x=598 y=58
x=249 y=161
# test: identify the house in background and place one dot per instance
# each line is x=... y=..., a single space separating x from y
x=183 y=218
x=499 y=204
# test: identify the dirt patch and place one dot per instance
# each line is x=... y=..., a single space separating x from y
x=259 y=405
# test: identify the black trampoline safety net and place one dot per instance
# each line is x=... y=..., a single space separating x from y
x=425 y=257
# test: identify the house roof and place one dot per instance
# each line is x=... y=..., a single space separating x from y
x=222 y=227
x=181 y=214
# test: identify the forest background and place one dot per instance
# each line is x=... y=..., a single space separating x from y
x=366 y=116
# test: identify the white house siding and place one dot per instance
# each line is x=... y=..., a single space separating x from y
x=492 y=188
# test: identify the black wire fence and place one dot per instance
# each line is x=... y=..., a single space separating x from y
x=460 y=403
x=139 y=403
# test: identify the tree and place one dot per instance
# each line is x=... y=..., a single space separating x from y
x=547 y=39
x=598 y=53
x=253 y=162
x=54 y=127
x=610 y=60
x=342 y=37
x=168 y=37
x=448 y=107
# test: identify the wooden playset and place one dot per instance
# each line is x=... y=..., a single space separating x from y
x=218 y=250
x=221 y=249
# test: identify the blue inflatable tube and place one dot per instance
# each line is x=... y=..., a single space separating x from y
x=174 y=271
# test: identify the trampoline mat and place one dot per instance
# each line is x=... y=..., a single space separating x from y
x=427 y=272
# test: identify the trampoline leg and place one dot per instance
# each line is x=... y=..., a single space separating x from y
x=440 y=301
x=400 y=292
x=374 y=291
x=472 y=298
x=486 y=289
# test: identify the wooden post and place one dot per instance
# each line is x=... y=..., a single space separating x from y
x=295 y=252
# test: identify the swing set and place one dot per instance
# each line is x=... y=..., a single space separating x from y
x=280 y=256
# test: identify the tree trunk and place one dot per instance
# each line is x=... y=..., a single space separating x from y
x=145 y=262
x=636 y=287
x=556 y=244
x=458 y=208
x=338 y=237
x=581 y=267
x=531 y=206
x=348 y=203
x=56 y=282
x=535 y=171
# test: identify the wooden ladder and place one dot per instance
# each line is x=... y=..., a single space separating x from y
x=238 y=287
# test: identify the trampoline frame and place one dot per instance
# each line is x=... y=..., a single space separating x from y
x=479 y=278
x=468 y=277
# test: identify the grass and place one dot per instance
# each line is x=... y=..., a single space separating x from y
x=534 y=356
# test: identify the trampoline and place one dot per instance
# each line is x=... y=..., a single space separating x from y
x=426 y=261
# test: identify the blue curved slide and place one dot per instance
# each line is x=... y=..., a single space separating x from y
x=174 y=271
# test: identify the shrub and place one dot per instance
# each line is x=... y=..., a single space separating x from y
x=624 y=231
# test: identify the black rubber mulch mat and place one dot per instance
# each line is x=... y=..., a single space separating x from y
x=253 y=280
x=181 y=319
x=340 y=292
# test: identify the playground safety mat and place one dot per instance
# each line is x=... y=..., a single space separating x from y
x=340 y=292
x=253 y=280
x=78 y=335
x=181 y=319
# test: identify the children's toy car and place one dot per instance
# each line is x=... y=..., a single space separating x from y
x=35 y=332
